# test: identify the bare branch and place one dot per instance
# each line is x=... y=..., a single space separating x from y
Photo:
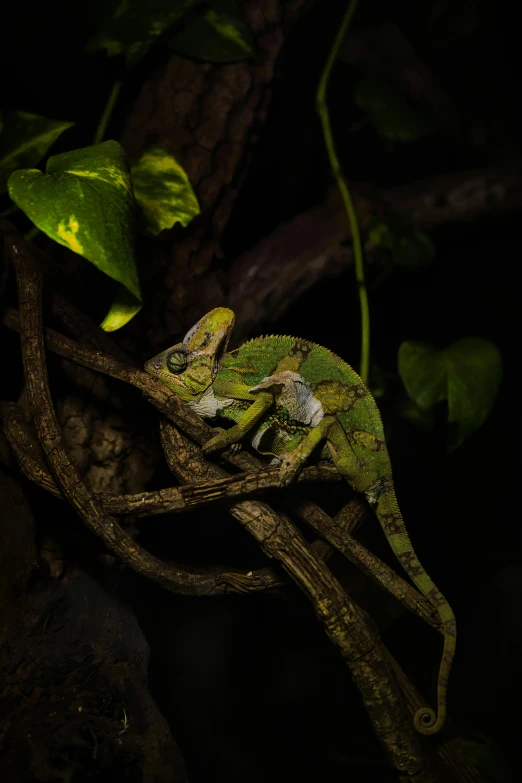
x=310 y=247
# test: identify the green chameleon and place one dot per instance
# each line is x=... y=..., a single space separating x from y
x=290 y=396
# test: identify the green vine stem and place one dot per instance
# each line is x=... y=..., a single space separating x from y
x=322 y=109
x=107 y=112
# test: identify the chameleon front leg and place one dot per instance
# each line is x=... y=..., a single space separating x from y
x=251 y=416
x=292 y=461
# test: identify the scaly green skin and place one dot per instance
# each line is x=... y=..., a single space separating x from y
x=291 y=396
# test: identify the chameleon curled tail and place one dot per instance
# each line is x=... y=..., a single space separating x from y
x=425 y=720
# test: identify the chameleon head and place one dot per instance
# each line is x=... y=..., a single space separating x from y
x=189 y=367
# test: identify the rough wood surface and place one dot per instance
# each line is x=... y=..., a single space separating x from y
x=210 y=118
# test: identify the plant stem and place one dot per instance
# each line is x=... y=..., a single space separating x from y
x=322 y=109
x=32 y=233
x=109 y=107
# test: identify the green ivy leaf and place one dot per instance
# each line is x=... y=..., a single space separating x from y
x=24 y=140
x=85 y=202
x=216 y=32
x=392 y=115
x=134 y=25
x=467 y=374
x=163 y=191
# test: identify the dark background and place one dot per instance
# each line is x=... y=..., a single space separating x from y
x=213 y=661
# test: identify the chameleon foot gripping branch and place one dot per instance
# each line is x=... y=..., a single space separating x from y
x=290 y=396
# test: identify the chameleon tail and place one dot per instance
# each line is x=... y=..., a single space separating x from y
x=392 y=523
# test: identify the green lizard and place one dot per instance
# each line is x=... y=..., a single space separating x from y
x=292 y=396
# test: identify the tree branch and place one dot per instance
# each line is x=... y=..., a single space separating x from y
x=283 y=266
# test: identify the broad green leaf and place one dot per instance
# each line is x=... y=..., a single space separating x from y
x=392 y=115
x=163 y=191
x=24 y=140
x=216 y=31
x=132 y=26
x=467 y=374
x=85 y=202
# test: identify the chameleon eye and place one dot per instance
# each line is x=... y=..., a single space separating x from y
x=177 y=362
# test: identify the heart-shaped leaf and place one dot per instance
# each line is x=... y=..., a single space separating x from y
x=132 y=26
x=162 y=191
x=216 y=31
x=85 y=202
x=24 y=140
x=467 y=374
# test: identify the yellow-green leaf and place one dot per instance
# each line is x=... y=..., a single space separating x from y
x=132 y=26
x=216 y=31
x=123 y=309
x=24 y=140
x=467 y=374
x=162 y=191
x=85 y=202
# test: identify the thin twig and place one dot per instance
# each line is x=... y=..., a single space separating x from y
x=107 y=112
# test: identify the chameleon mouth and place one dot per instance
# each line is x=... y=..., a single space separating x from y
x=153 y=366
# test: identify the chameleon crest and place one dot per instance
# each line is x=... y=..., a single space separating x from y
x=290 y=396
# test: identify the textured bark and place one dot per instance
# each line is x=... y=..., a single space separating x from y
x=209 y=117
